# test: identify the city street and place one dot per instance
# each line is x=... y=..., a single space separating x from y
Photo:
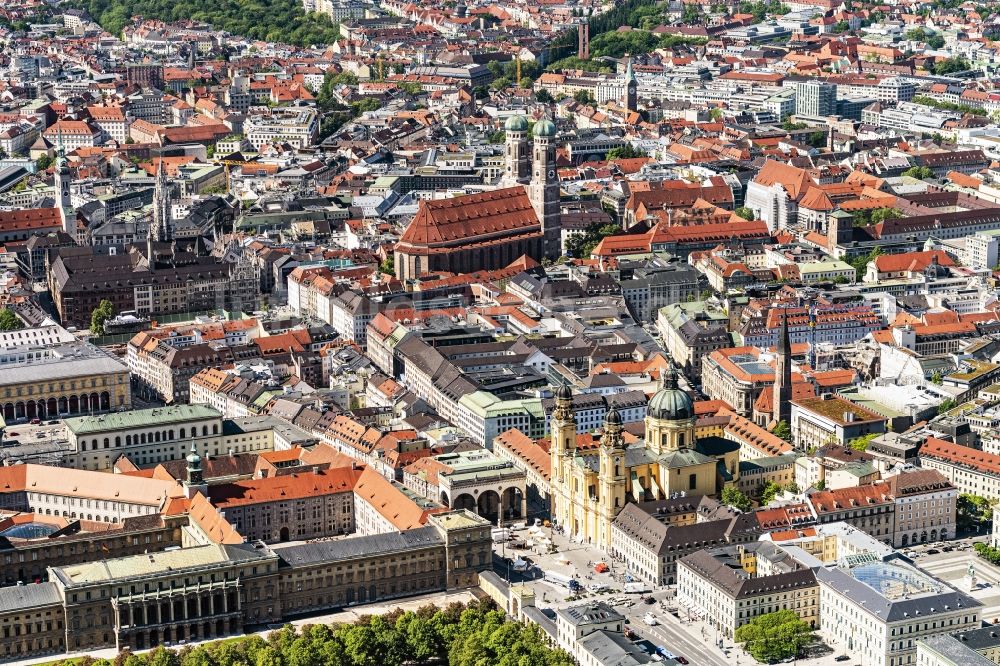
x=675 y=631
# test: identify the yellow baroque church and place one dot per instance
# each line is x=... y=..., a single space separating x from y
x=588 y=489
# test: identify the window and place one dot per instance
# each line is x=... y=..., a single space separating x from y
x=693 y=481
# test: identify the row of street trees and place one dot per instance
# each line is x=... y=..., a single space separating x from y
x=458 y=635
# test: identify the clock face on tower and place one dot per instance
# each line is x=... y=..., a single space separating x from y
x=552 y=174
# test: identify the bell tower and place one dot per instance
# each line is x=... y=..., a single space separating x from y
x=783 y=375
x=563 y=430
x=631 y=88
x=543 y=191
x=611 y=475
x=516 y=165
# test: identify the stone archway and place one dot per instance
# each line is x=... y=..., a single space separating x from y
x=512 y=503
x=443 y=499
x=465 y=501
x=488 y=505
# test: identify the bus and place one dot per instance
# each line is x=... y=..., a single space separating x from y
x=562 y=580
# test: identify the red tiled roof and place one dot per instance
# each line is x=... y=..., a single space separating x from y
x=961 y=455
x=284 y=488
x=911 y=261
x=459 y=221
x=30 y=219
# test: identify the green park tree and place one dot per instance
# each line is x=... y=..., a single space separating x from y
x=732 y=496
x=921 y=172
x=775 y=636
x=10 y=321
x=768 y=492
x=861 y=443
x=100 y=315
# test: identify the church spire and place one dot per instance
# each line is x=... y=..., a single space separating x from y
x=631 y=88
x=63 y=181
x=162 y=228
x=783 y=374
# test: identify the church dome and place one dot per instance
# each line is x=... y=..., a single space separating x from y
x=612 y=417
x=564 y=393
x=670 y=403
x=194 y=460
x=545 y=128
x=516 y=124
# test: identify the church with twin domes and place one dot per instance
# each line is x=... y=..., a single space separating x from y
x=492 y=229
x=589 y=488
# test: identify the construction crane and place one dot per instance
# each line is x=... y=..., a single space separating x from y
x=228 y=164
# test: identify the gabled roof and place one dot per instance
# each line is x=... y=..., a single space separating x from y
x=794 y=180
x=460 y=220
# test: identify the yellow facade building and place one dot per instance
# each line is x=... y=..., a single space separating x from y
x=588 y=489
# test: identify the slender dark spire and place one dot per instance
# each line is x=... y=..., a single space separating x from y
x=783 y=374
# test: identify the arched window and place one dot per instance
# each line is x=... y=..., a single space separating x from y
x=118 y=441
x=143 y=438
x=182 y=433
x=215 y=429
x=107 y=442
x=170 y=434
x=680 y=440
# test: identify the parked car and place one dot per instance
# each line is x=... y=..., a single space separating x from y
x=933 y=551
x=650 y=619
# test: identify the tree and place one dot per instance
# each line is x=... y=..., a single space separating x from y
x=627 y=151
x=733 y=497
x=921 y=172
x=100 y=315
x=782 y=430
x=821 y=484
x=10 y=321
x=389 y=265
x=817 y=139
x=282 y=21
x=745 y=213
x=861 y=443
x=947 y=405
x=583 y=97
x=936 y=377
x=43 y=162
x=880 y=215
x=951 y=65
x=792 y=487
x=973 y=510
x=768 y=491
x=860 y=263
x=775 y=636
x=544 y=96
x=715 y=113
x=581 y=245
x=841 y=26
x=988 y=553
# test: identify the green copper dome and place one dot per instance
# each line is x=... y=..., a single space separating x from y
x=545 y=128
x=670 y=403
x=516 y=124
